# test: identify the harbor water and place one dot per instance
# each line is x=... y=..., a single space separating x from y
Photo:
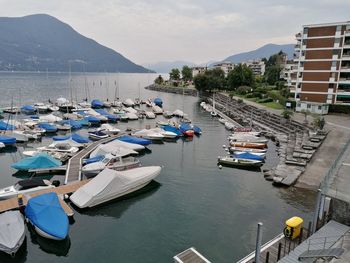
x=192 y=202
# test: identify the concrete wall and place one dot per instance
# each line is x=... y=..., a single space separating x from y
x=341 y=211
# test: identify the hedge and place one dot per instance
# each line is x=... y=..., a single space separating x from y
x=338 y=108
x=266 y=100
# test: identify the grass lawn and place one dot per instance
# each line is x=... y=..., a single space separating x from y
x=273 y=105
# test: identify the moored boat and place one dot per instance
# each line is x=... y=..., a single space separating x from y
x=97 y=135
x=12 y=231
x=239 y=162
x=249 y=145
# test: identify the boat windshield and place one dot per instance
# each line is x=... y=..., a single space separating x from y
x=106 y=160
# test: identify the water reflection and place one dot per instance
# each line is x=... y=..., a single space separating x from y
x=57 y=247
x=115 y=208
x=21 y=255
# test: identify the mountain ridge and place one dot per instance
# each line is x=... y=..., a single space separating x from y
x=41 y=42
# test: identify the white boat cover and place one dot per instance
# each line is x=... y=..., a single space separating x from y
x=61 y=101
x=12 y=231
x=128 y=102
x=113 y=147
x=50 y=118
x=156 y=109
x=131 y=116
x=110 y=184
x=148 y=134
x=131 y=110
x=110 y=128
x=2 y=145
x=179 y=113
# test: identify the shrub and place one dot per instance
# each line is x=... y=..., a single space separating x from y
x=337 y=108
x=266 y=100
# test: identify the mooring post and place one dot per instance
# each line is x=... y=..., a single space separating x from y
x=258 y=243
x=267 y=257
x=279 y=251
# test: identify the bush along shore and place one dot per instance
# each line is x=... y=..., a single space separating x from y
x=172 y=89
x=296 y=142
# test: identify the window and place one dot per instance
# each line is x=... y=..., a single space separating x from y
x=308 y=106
x=306 y=30
x=319 y=107
x=335 y=52
x=338 y=28
x=334 y=63
x=298 y=104
x=337 y=40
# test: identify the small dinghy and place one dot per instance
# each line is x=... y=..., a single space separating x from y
x=249 y=145
x=47 y=216
x=251 y=150
x=110 y=184
x=249 y=156
x=12 y=231
x=230 y=161
x=98 y=135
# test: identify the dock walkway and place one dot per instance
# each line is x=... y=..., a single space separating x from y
x=73 y=172
x=12 y=203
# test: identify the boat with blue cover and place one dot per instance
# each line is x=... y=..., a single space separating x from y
x=79 y=138
x=186 y=129
x=49 y=128
x=4 y=126
x=97 y=135
x=173 y=129
x=134 y=140
x=61 y=138
x=7 y=140
x=74 y=124
x=247 y=155
x=95 y=159
x=39 y=161
x=196 y=130
x=158 y=102
x=28 y=109
x=96 y=104
x=92 y=120
x=47 y=216
x=111 y=117
x=84 y=122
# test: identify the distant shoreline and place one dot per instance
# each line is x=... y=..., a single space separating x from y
x=176 y=90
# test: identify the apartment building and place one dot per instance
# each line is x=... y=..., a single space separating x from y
x=289 y=74
x=322 y=54
x=226 y=66
x=198 y=70
x=257 y=66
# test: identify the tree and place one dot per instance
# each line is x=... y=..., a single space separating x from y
x=272 y=74
x=319 y=122
x=186 y=73
x=287 y=114
x=213 y=79
x=241 y=75
x=175 y=74
x=159 y=80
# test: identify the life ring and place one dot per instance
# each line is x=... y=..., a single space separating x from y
x=287 y=232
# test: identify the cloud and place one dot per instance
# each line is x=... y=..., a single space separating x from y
x=196 y=30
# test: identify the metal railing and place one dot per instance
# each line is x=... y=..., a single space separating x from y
x=327 y=242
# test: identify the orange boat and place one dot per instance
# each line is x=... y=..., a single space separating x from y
x=249 y=145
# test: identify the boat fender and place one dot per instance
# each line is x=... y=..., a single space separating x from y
x=224 y=146
x=220 y=166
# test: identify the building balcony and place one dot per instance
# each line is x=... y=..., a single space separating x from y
x=345 y=69
x=298 y=36
x=344 y=80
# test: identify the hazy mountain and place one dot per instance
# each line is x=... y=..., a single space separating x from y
x=167 y=66
x=40 y=42
x=262 y=52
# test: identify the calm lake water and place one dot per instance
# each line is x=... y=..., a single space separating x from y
x=193 y=203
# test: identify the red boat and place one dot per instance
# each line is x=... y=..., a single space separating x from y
x=189 y=133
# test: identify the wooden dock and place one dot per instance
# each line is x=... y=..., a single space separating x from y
x=190 y=255
x=276 y=248
x=73 y=172
x=12 y=203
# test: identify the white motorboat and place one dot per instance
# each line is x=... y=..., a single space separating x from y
x=166 y=134
x=20 y=137
x=167 y=114
x=111 y=161
x=131 y=116
x=12 y=231
x=148 y=134
x=162 y=123
x=117 y=103
x=229 y=126
x=59 y=146
x=110 y=184
x=41 y=107
x=64 y=127
x=157 y=110
x=117 y=147
x=26 y=186
x=250 y=150
x=97 y=135
x=150 y=115
x=221 y=120
x=109 y=129
x=178 y=113
x=130 y=109
x=107 y=104
x=248 y=138
x=50 y=118
x=128 y=103
x=53 y=108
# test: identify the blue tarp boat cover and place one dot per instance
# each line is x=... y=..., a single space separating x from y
x=7 y=140
x=61 y=138
x=83 y=122
x=73 y=123
x=249 y=156
x=111 y=117
x=34 y=117
x=82 y=113
x=92 y=119
x=197 y=130
x=172 y=129
x=5 y=126
x=80 y=139
x=158 y=102
x=134 y=140
x=28 y=108
x=47 y=126
x=184 y=127
x=95 y=159
x=46 y=213
x=96 y=104
x=41 y=160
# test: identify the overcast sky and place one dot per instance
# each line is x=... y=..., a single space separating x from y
x=148 y=31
